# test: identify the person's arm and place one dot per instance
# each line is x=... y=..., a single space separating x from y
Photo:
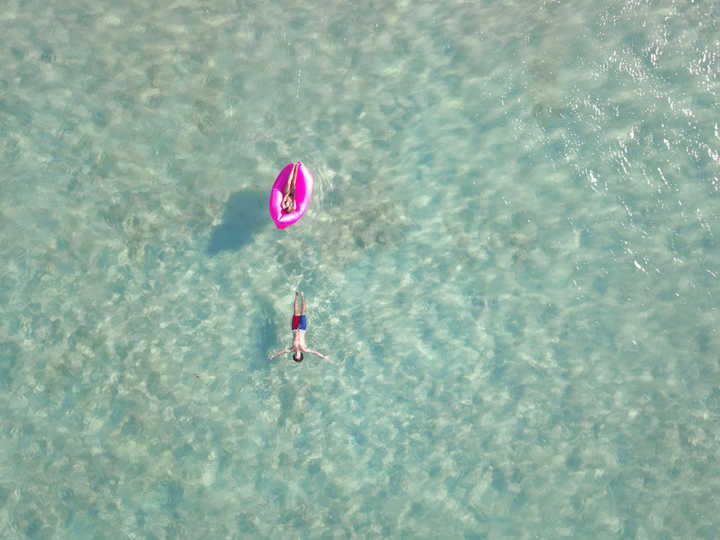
x=284 y=351
x=320 y=355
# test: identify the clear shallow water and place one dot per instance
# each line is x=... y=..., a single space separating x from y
x=511 y=255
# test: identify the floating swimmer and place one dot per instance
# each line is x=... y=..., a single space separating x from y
x=290 y=194
x=299 y=326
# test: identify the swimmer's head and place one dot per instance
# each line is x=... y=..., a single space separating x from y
x=298 y=356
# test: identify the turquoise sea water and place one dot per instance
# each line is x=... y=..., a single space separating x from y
x=512 y=256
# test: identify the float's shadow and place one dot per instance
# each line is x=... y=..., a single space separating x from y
x=245 y=214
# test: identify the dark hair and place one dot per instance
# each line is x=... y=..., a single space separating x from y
x=298 y=359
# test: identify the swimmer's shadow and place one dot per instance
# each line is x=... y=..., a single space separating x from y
x=245 y=214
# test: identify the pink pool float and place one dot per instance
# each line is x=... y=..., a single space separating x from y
x=303 y=191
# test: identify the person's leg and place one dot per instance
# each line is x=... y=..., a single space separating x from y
x=295 y=308
x=293 y=178
x=302 y=319
x=292 y=182
x=289 y=189
x=296 y=314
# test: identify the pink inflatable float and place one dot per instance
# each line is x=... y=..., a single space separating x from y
x=303 y=190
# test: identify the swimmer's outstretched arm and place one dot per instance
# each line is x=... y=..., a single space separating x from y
x=284 y=351
x=320 y=355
